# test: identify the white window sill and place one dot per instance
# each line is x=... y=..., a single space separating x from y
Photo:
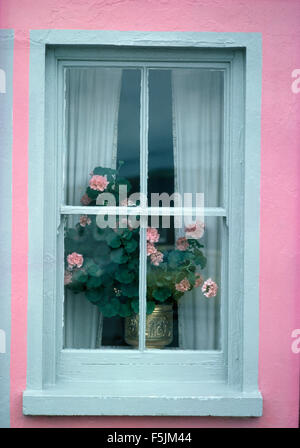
x=126 y=399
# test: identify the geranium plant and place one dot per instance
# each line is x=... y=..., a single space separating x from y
x=103 y=263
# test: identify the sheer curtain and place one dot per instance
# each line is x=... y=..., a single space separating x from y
x=92 y=105
x=197 y=134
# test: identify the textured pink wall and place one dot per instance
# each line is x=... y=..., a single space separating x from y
x=278 y=21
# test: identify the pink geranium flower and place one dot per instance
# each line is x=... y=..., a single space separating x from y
x=84 y=220
x=198 y=281
x=182 y=243
x=152 y=235
x=157 y=258
x=195 y=231
x=68 y=278
x=85 y=200
x=75 y=260
x=209 y=288
x=151 y=249
x=98 y=183
x=183 y=286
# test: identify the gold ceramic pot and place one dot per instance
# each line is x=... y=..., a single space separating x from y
x=159 y=327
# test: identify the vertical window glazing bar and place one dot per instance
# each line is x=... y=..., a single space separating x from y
x=143 y=219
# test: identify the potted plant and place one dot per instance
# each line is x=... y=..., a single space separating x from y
x=104 y=264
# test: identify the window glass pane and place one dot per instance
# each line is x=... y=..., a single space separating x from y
x=186 y=133
x=102 y=128
x=160 y=137
x=184 y=284
x=185 y=156
x=101 y=280
x=129 y=128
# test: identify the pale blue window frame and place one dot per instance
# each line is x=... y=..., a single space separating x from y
x=111 y=382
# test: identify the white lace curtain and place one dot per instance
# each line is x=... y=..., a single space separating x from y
x=197 y=140
x=92 y=103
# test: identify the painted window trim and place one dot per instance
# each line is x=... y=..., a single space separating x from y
x=239 y=395
x=6 y=138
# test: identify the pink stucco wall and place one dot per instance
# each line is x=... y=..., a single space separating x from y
x=278 y=21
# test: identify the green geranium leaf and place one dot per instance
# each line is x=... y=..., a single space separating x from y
x=162 y=294
x=113 y=239
x=180 y=276
x=92 y=194
x=94 y=270
x=79 y=276
x=127 y=234
x=131 y=245
x=135 y=305
x=131 y=290
x=101 y=250
x=98 y=234
x=107 y=278
x=111 y=308
x=93 y=295
x=200 y=259
x=159 y=283
x=177 y=295
x=118 y=256
x=191 y=278
x=94 y=282
x=195 y=243
x=125 y=310
x=108 y=172
x=124 y=276
x=187 y=256
x=133 y=264
x=76 y=235
x=168 y=278
x=150 y=306
x=175 y=258
x=104 y=295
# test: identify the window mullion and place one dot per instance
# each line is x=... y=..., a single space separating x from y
x=143 y=189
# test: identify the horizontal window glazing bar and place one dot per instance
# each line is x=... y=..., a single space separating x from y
x=222 y=66
x=143 y=211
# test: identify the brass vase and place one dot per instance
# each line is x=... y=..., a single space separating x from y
x=159 y=327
